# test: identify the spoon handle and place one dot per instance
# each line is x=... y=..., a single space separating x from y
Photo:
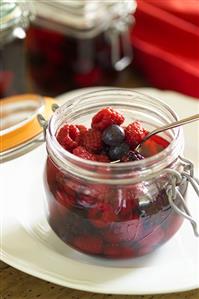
x=172 y=125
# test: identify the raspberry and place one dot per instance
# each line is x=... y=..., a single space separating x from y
x=68 y=136
x=91 y=78
x=134 y=133
x=115 y=251
x=171 y=225
x=101 y=193
x=85 y=201
x=102 y=158
x=81 y=152
x=52 y=173
x=82 y=129
x=127 y=206
x=101 y=215
x=64 y=199
x=151 y=241
x=88 y=244
x=105 y=118
x=64 y=185
x=92 y=140
x=121 y=231
x=6 y=78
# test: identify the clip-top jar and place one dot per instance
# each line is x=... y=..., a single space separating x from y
x=76 y=44
x=116 y=210
x=14 y=20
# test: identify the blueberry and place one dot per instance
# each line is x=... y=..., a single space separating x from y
x=117 y=152
x=113 y=135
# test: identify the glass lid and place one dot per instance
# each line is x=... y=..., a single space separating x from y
x=19 y=126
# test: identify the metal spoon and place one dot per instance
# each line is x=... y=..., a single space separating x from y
x=181 y=122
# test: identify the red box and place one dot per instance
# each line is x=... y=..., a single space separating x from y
x=166 y=48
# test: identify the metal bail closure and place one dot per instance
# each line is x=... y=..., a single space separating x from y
x=121 y=49
x=44 y=123
x=178 y=179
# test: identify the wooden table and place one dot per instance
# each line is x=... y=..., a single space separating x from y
x=15 y=284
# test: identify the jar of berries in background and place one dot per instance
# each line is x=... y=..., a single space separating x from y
x=114 y=210
x=75 y=44
x=14 y=20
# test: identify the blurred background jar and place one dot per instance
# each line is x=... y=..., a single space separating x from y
x=14 y=21
x=75 y=44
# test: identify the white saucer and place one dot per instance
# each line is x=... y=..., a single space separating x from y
x=28 y=243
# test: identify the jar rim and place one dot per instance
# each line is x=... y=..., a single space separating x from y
x=146 y=165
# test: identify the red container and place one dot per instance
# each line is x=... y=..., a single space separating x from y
x=166 y=49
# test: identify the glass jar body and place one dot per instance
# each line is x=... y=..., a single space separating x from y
x=114 y=212
x=14 y=21
x=13 y=67
x=58 y=62
x=109 y=221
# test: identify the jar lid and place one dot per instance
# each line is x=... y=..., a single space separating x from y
x=19 y=126
x=14 y=14
x=87 y=17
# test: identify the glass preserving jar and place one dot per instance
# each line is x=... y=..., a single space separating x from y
x=116 y=210
x=14 y=20
x=76 y=44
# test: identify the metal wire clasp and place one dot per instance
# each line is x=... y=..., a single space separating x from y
x=44 y=123
x=177 y=179
x=121 y=49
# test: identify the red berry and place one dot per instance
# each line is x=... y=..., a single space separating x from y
x=115 y=251
x=151 y=241
x=6 y=78
x=66 y=200
x=68 y=136
x=105 y=118
x=102 y=193
x=126 y=205
x=171 y=225
x=101 y=215
x=134 y=133
x=82 y=129
x=91 y=78
x=102 y=158
x=85 y=201
x=92 y=140
x=81 y=152
x=88 y=244
x=121 y=231
x=52 y=173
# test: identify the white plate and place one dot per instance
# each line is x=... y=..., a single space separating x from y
x=28 y=243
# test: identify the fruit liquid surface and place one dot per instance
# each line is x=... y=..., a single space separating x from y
x=111 y=221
